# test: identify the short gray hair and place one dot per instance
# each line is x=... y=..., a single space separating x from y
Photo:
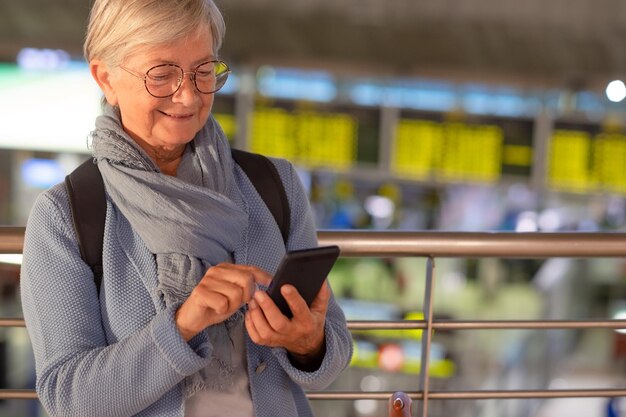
x=118 y=27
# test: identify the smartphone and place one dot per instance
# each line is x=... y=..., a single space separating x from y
x=306 y=270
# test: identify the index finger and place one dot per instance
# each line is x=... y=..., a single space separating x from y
x=320 y=302
x=233 y=274
x=258 y=275
x=296 y=303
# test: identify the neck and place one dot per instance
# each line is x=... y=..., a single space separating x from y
x=166 y=158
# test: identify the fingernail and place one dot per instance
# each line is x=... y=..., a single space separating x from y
x=252 y=304
x=260 y=296
x=287 y=289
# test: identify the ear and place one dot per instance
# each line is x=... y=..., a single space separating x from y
x=100 y=72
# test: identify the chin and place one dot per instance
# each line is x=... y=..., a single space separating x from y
x=180 y=137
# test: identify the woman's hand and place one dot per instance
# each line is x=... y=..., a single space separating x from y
x=223 y=289
x=303 y=335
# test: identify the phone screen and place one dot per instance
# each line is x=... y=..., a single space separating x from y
x=304 y=269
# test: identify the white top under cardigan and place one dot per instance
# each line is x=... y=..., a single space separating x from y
x=234 y=398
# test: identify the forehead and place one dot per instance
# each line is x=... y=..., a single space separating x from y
x=190 y=49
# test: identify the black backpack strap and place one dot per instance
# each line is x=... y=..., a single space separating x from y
x=266 y=180
x=85 y=189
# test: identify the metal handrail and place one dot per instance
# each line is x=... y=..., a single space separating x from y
x=437 y=244
x=415 y=395
x=480 y=244
x=440 y=244
x=473 y=395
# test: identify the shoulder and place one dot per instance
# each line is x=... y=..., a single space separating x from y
x=283 y=166
x=49 y=223
x=49 y=233
x=288 y=175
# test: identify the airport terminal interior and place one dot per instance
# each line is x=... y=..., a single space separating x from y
x=399 y=115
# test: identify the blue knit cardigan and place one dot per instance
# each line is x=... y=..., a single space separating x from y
x=113 y=354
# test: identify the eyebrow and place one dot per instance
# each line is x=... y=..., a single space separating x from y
x=195 y=63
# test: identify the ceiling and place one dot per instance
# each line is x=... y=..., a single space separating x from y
x=577 y=44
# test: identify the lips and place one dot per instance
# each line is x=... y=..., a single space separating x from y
x=180 y=116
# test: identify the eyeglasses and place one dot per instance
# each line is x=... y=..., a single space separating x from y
x=164 y=80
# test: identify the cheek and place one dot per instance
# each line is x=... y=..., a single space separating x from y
x=138 y=113
x=207 y=102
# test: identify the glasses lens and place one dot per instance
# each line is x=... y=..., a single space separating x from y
x=163 y=80
x=211 y=76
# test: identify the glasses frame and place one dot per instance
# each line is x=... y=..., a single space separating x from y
x=184 y=73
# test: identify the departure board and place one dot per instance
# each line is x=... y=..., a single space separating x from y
x=586 y=158
x=461 y=148
x=315 y=135
x=224 y=112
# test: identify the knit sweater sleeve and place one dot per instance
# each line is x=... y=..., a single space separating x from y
x=338 y=337
x=78 y=374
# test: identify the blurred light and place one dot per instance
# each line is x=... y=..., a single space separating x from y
x=378 y=206
x=11 y=259
x=424 y=95
x=480 y=99
x=41 y=173
x=590 y=102
x=453 y=281
x=66 y=102
x=526 y=222
x=558 y=383
x=616 y=91
x=371 y=383
x=391 y=357
x=549 y=220
x=296 y=84
x=367 y=94
x=620 y=315
x=42 y=59
x=368 y=310
x=366 y=407
x=520 y=196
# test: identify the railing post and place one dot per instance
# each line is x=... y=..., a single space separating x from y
x=427 y=335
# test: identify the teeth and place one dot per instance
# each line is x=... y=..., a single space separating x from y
x=176 y=116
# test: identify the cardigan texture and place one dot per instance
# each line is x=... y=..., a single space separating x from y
x=118 y=353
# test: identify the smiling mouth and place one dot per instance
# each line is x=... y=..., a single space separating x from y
x=177 y=116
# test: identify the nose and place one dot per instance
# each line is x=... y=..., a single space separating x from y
x=191 y=75
x=186 y=92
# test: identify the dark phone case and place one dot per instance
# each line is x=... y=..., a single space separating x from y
x=306 y=270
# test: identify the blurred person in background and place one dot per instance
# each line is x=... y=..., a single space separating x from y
x=178 y=326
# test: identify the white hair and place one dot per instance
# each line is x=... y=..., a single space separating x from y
x=117 y=28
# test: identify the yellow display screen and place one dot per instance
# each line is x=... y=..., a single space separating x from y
x=461 y=150
x=314 y=136
x=583 y=159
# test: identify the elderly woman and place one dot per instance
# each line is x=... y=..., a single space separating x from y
x=178 y=326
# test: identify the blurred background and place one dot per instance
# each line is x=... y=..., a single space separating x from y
x=463 y=115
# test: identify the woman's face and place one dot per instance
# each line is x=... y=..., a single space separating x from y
x=170 y=122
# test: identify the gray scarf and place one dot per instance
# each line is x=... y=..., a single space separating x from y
x=189 y=226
